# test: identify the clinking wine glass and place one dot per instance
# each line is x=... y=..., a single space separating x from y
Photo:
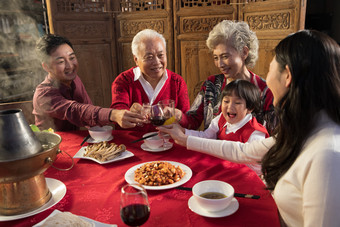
x=134 y=205
x=163 y=112
x=145 y=111
x=168 y=107
x=157 y=116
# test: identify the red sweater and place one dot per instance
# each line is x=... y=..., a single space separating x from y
x=62 y=108
x=126 y=91
x=241 y=135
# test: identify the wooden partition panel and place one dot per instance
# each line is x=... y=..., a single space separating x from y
x=136 y=15
x=90 y=28
x=272 y=20
x=193 y=21
x=102 y=32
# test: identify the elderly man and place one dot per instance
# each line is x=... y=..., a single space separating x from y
x=149 y=81
x=61 y=101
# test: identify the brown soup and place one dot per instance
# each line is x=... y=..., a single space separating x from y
x=213 y=195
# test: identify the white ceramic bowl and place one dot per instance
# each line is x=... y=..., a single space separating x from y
x=101 y=133
x=213 y=205
x=153 y=142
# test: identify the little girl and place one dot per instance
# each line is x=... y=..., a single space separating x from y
x=240 y=99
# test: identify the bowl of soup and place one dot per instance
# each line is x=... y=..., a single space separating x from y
x=213 y=195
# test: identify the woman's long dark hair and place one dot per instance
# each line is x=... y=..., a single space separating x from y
x=314 y=62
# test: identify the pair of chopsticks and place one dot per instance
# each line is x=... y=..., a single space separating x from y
x=235 y=194
x=143 y=138
x=85 y=139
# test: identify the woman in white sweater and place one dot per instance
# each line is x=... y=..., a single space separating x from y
x=301 y=164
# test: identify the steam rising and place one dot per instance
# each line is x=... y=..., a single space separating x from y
x=21 y=24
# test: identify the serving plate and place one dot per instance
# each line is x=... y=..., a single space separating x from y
x=95 y=223
x=123 y=155
x=58 y=190
x=130 y=176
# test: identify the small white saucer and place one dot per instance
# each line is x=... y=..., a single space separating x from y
x=165 y=147
x=91 y=140
x=196 y=208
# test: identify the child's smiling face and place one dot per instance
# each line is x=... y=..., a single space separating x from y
x=234 y=108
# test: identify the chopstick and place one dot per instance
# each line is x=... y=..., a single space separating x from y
x=246 y=196
x=235 y=194
x=85 y=139
x=143 y=138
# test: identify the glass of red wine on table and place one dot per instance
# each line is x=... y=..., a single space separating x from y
x=134 y=205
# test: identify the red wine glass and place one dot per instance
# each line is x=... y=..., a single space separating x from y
x=134 y=205
x=157 y=116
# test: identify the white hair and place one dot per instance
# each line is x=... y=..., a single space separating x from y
x=144 y=35
x=238 y=35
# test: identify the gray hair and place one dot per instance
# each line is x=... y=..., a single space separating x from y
x=144 y=35
x=236 y=34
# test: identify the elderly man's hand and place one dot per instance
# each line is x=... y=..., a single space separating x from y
x=136 y=108
x=177 y=133
x=126 y=118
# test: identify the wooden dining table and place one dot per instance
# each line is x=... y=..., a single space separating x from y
x=93 y=189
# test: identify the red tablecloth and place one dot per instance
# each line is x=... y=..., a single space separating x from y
x=93 y=190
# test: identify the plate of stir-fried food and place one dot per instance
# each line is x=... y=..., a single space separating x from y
x=158 y=175
x=104 y=152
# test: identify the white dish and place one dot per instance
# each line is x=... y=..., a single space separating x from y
x=196 y=208
x=165 y=147
x=58 y=190
x=123 y=155
x=95 y=223
x=91 y=140
x=130 y=176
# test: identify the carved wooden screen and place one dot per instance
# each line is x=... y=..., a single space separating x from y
x=272 y=20
x=90 y=29
x=193 y=21
x=102 y=31
x=136 y=15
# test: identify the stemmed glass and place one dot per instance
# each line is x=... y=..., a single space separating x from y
x=168 y=107
x=134 y=205
x=157 y=116
x=145 y=111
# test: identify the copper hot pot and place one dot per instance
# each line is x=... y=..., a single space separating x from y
x=22 y=183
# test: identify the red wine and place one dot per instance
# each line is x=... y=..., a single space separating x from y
x=135 y=214
x=157 y=121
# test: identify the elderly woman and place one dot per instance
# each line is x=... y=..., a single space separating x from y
x=301 y=165
x=150 y=81
x=234 y=47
